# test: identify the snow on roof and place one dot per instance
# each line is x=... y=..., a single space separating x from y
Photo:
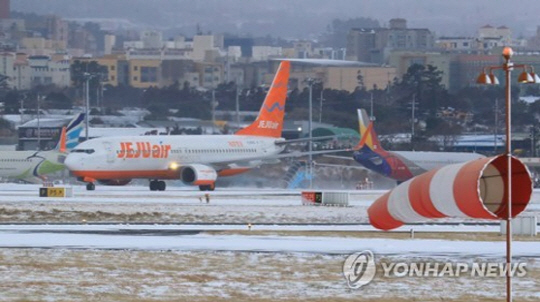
x=529 y=98
x=47 y=122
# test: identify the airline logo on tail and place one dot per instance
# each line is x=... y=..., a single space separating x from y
x=368 y=136
x=274 y=106
x=70 y=138
x=269 y=122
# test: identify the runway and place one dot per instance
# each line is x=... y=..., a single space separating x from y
x=225 y=238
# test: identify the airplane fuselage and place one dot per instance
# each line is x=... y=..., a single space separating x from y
x=403 y=165
x=160 y=157
x=30 y=165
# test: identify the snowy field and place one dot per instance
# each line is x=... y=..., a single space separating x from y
x=174 y=246
x=131 y=204
x=127 y=275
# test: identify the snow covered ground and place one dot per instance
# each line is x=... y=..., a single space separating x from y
x=127 y=275
x=132 y=262
x=20 y=203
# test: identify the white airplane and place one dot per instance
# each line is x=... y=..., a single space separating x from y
x=32 y=166
x=195 y=159
x=399 y=165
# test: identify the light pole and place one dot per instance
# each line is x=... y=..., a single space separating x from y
x=320 y=104
x=237 y=101
x=413 y=119
x=214 y=104
x=310 y=82
x=38 y=123
x=87 y=77
x=524 y=77
x=496 y=125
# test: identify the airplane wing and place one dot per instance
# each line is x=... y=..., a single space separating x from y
x=341 y=157
x=328 y=62
x=307 y=139
x=265 y=160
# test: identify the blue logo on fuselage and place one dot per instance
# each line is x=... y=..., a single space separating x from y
x=373 y=161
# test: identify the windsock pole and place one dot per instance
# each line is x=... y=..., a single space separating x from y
x=508 y=66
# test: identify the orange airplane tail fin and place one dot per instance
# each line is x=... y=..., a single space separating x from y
x=62 y=143
x=269 y=122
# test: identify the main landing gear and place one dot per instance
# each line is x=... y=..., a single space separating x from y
x=157 y=185
x=207 y=187
x=90 y=186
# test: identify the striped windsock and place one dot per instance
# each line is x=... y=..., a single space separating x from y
x=475 y=189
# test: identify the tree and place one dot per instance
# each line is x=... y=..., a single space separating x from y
x=81 y=70
x=425 y=83
x=12 y=102
x=58 y=100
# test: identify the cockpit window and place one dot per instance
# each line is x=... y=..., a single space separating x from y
x=87 y=151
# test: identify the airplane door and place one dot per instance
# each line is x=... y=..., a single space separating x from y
x=110 y=153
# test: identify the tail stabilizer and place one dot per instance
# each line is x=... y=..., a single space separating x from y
x=269 y=122
x=62 y=141
x=368 y=136
x=73 y=132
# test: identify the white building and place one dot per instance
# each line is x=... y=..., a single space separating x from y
x=133 y=44
x=22 y=73
x=16 y=68
x=457 y=43
x=7 y=60
x=263 y=53
x=234 y=53
x=45 y=71
x=202 y=45
x=110 y=41
x=152 y=39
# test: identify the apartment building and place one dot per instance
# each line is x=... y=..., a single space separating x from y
x=339 y=78
x=21 y=72
x=211 y=74
x=144 y=73
x=46 y=70
x=375 y=44
x=263 y=53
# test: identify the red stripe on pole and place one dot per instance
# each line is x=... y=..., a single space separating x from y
x=466 y=192
x=420 y=198
x=380 y=217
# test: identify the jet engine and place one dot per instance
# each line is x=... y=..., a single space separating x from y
x=199 y=175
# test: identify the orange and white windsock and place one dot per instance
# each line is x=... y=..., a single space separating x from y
x=475 y=189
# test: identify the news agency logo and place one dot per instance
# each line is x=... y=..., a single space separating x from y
x=360 y=268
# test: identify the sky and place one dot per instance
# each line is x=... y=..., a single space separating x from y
x=297 y=18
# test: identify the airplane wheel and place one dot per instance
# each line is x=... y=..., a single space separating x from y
x=153 y=185
x=161 y=185
x=207 y=187
x=90 y=186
